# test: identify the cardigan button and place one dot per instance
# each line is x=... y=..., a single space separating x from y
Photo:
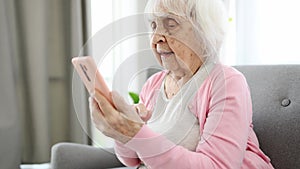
x=285 y=102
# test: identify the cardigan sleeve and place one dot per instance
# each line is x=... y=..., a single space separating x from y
x=127 y=156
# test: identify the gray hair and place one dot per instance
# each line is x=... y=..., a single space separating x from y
x=209 y=18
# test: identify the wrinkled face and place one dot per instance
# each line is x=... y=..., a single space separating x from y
x=174 y=43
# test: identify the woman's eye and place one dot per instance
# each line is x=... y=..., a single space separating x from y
x=153 y=26
x=171 y=23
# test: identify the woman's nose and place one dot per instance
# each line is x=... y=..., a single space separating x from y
x=158 y=38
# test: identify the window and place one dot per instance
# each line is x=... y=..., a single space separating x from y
x=228 y=55
x=278 y=32
x=267 y=32
x=104 y=13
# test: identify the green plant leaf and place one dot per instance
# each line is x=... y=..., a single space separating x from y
x=135 y=97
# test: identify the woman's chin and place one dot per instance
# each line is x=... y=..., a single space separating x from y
x=173 y=69
x=170 y=67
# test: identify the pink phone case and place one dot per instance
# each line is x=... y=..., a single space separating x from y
x=91 y=77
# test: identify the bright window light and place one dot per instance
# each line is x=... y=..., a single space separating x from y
x=279 y=33
x=103 y=13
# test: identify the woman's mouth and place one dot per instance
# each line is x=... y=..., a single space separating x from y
x=165 y=54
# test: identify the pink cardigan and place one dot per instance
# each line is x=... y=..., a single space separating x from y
x=223 y=108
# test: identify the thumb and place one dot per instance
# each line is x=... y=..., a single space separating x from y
x=123 y=107
x=144 y=114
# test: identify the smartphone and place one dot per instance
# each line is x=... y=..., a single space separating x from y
x=90 y=75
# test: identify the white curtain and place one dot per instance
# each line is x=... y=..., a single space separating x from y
x=42 y=38
x=267 y=32
x=246 y=32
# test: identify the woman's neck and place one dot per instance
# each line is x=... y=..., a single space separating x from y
x=174 y=83
x=181 y=76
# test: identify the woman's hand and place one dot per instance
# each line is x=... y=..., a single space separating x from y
x=120 y=122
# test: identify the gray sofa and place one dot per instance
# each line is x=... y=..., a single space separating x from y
x=275 y=94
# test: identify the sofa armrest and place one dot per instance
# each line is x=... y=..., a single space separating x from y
x=78 y=156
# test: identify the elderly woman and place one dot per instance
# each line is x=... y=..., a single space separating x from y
x=197 y=113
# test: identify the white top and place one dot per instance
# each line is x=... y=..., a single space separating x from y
x=173 y=118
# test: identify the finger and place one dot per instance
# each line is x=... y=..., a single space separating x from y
x=124 y=108
x=104 y=104
x=119 y=102
x=143 y=112
x=104 y=123
x=147 y=116
x=141 y=109
x=144 y=116
x=99 y=120
x=96 y=113
x=93 y=104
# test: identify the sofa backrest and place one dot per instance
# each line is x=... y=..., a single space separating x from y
x=275 y=92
